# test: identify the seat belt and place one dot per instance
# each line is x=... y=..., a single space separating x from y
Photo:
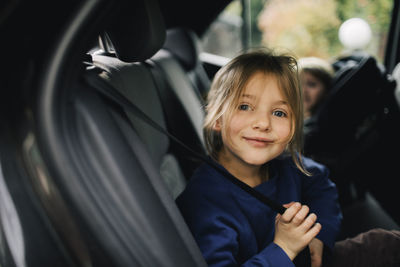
x=108 y=91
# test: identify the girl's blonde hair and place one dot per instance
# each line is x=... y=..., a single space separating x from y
x=230 y=82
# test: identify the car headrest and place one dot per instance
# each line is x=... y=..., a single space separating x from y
x=138 y=31
x=184 y=45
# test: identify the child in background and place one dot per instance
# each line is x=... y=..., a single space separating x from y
x=316 y=80
x=253 y=129
x=316 y=77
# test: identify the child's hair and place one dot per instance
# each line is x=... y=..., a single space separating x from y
x=230 y=82
x=319 y=68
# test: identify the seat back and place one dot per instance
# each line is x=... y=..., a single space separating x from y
x=136 y=83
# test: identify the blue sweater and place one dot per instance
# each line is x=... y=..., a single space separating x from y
x=232 y=228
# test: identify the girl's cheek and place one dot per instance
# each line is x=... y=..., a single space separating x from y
x=285 y=132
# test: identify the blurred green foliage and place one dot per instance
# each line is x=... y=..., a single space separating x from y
x=310 y=27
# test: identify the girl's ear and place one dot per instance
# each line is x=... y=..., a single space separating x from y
x=217 y=125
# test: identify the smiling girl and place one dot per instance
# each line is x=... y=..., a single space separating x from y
x=253 y=129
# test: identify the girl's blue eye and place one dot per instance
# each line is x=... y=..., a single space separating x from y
x=279 y=113
x=244 y=107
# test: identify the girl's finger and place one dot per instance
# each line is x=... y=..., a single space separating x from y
x=309 y=222
x=312 y=232
x=290 y=212
x=301 y=215
x=287 y=205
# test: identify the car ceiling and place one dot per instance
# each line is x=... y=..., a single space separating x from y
x=196 y=15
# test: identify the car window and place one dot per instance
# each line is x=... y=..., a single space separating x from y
x=303 y=27
x=224 y=36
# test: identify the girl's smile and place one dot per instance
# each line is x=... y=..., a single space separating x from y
x=258 y=141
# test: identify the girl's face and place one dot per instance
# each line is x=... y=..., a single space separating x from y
x=260 y=127
x=313 y=91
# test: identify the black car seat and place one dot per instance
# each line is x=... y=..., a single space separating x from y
x=135 y=82
x=345 y=128
x=351 y=132
x=185 y=46
x=160 y=88
x=347 y=134
x=353 y=97
x=96 y=169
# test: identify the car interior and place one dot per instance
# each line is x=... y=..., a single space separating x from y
x=89 y=181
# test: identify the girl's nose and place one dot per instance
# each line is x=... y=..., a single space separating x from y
x=261 y=122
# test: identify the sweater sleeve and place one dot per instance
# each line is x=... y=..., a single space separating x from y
x=320 y=194
x=272 y=255
x=217 y=233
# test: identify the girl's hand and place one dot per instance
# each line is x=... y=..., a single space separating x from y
x=316 y=249
x=295 y=229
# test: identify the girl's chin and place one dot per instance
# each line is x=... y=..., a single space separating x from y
x=256 y=162
x=260 y=159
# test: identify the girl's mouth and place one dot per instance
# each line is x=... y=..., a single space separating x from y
x=258 y=141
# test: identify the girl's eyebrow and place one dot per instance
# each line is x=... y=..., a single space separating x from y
x=279 y=102
x=248 y=96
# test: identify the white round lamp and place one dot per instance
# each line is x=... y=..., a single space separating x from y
x=355 y=34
